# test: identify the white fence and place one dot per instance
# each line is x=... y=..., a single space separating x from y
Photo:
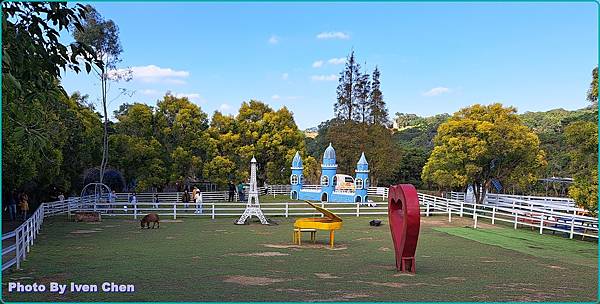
x=23 y=239
x=534 y=214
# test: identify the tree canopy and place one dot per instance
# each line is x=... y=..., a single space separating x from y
x=481 y=143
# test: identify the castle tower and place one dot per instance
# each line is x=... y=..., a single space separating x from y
x=362 y=179
x=328 y=171
x=297 y=178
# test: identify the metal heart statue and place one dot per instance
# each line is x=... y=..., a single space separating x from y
x=405 y=220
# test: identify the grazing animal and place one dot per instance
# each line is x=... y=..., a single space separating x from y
x=150 y=218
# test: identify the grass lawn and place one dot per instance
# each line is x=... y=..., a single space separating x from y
x=199 y=259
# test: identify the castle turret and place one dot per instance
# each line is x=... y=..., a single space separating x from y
x=297 y=177
x=328 y=171
x=362 y=179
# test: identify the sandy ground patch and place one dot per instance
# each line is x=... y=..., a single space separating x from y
x=394 y=284
x=252 y=281
x=384 y=249
x=326 y=276
x=84 y=231
x=260 y=254
x=456 y=279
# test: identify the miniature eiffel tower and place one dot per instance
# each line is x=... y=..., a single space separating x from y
x=253 y=206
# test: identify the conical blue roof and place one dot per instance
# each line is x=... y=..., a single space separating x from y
x=362 y=160
x=297 y=161
x=329 y=156
x=362 y=164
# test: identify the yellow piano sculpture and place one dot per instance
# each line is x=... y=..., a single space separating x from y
x=330 y=222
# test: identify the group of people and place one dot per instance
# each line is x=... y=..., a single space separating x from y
x=20 y=199
x=232 y=189
x=195 y=196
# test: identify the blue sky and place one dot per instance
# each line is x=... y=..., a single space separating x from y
x=434 y=57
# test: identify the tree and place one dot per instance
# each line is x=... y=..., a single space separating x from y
x=378 y=109
x=32 y=53
x=582 y=139
x=346 y=103
x=481 y=143
x=103 y=36
x=361 y=93
x=592 y=94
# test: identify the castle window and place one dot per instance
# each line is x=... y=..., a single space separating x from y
x=359 y=183
x=324 y=180
x=335 y=180
x=367 y=183
x=301 y=178
x=294 y=179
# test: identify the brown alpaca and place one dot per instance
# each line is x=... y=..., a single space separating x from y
x=150 y=218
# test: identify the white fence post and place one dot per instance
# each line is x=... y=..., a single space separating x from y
x=427 y=212
x=541 y=223
x=18 y=251
x=213 y=211
x=493 y=215
x=516 y=220
x=357 y=209
x=449 y=213
x=135 y=210
x=175 y=208
x=286 y=209
x=572 y=227
x=475 y=214
x=461 y=208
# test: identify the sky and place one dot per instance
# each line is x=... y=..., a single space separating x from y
x=434 y=57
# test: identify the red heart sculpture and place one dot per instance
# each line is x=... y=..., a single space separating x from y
x=405 y=220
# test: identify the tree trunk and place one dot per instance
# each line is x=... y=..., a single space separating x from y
x=104 y=162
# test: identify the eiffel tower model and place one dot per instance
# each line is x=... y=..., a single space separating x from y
x=253 y=206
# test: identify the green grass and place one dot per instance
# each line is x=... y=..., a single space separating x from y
x=527 y=242
x=203 y=260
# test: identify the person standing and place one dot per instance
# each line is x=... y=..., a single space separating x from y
x=198 y=199
x=155 y=200
x=12 y=205
x=112 y=200
x=231 y=191
x=240 y=189
x=24 y=204
x=186 y=199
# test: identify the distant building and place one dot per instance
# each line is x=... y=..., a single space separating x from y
x=333 y=187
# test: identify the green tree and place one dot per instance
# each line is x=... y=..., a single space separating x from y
x=592 y=94
x=345 y=106
x=378 y=110
x=481 y=143
x=103 y=37
x=582 y=138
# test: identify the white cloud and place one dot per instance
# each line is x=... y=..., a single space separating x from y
x=275 y=97
x=436 y=91
x=285 y=76
x=336 y=60
x=190 y=96
x=333 y=35
x=149 y=92
x=274 y=39
x=225 y=108
x=324 y=77
x=317 y=64
x=152 y=74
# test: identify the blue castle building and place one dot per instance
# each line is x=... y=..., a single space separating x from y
x=333 y=187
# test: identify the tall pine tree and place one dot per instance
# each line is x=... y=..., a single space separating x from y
x=361 y=92
x=379 y=112
x=346 y=104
